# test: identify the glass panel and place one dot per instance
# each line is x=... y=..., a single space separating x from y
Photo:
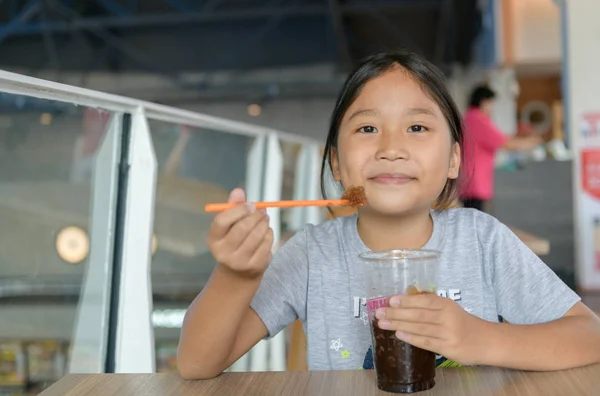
x=47 y=153
x=195 y=167
x=291 y=219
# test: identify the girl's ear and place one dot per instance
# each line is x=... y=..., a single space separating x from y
x=335 y=165
x=455 y=157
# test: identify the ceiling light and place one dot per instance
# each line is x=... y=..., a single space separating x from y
x=72 y=244
x=46 y=119
x=254 y=110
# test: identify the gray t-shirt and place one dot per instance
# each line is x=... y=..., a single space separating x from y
x=317 y=277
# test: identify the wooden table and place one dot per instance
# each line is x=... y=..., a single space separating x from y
x=461 y=381
x=538 y=245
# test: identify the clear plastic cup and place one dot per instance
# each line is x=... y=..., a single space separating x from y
x=399 y=367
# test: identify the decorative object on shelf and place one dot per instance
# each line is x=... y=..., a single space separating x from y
x=556 y=146
x=538 y=115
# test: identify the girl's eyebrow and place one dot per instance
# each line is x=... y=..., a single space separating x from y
x=420 y=111
x=412 y=111
x=364 y=112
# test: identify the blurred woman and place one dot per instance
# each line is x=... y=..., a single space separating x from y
x=483 y=140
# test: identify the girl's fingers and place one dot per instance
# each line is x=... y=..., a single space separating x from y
x=262 y=255
x=254 y=239
x=428 y=343
x=242 y=230
x=421 y=329
x=415 y=315
x=425 y=301
x=224 y=221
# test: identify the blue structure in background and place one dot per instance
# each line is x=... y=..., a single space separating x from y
x=485 y=48
x=565 y=69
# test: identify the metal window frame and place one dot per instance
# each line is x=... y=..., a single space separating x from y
x=132 y=334
x=24 y=85
x=89 y=346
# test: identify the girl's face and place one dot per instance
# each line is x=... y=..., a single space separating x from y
x=395 y=141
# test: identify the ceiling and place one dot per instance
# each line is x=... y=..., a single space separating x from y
x=173 y=37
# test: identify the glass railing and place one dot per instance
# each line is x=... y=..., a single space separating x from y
x=196 y=166
x=46 y=166
x=103 y=229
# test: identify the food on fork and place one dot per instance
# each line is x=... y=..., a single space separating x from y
x=353 y=196
x=356 y=196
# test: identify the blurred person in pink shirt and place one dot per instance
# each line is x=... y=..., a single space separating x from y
x=483 y=139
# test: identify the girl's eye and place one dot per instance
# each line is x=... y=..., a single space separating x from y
x=417 y=128
x=367 y=129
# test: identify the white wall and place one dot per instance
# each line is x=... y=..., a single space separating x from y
x=536 y=35
x=583 y=96
x=503 y=82
x=463 y=81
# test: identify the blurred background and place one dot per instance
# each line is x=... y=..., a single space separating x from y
x=273 y=65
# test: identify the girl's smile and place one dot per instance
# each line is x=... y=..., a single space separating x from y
x=391 y=178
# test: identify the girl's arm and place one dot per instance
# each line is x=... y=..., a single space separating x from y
x=548 y=327
x=244 y=301
x=219 y=326
x=571 y=341
x=440 y=325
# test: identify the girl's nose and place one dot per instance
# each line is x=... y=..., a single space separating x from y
x=392 y=147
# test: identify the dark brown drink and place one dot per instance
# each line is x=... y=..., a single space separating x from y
x=401 y=367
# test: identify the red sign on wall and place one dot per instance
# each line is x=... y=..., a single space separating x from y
x=590 y=171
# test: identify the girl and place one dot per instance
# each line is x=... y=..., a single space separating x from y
x=396 y=131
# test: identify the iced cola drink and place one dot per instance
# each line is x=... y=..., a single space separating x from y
x=399 y=367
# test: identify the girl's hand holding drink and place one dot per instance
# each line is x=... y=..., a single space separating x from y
x=436 y=324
